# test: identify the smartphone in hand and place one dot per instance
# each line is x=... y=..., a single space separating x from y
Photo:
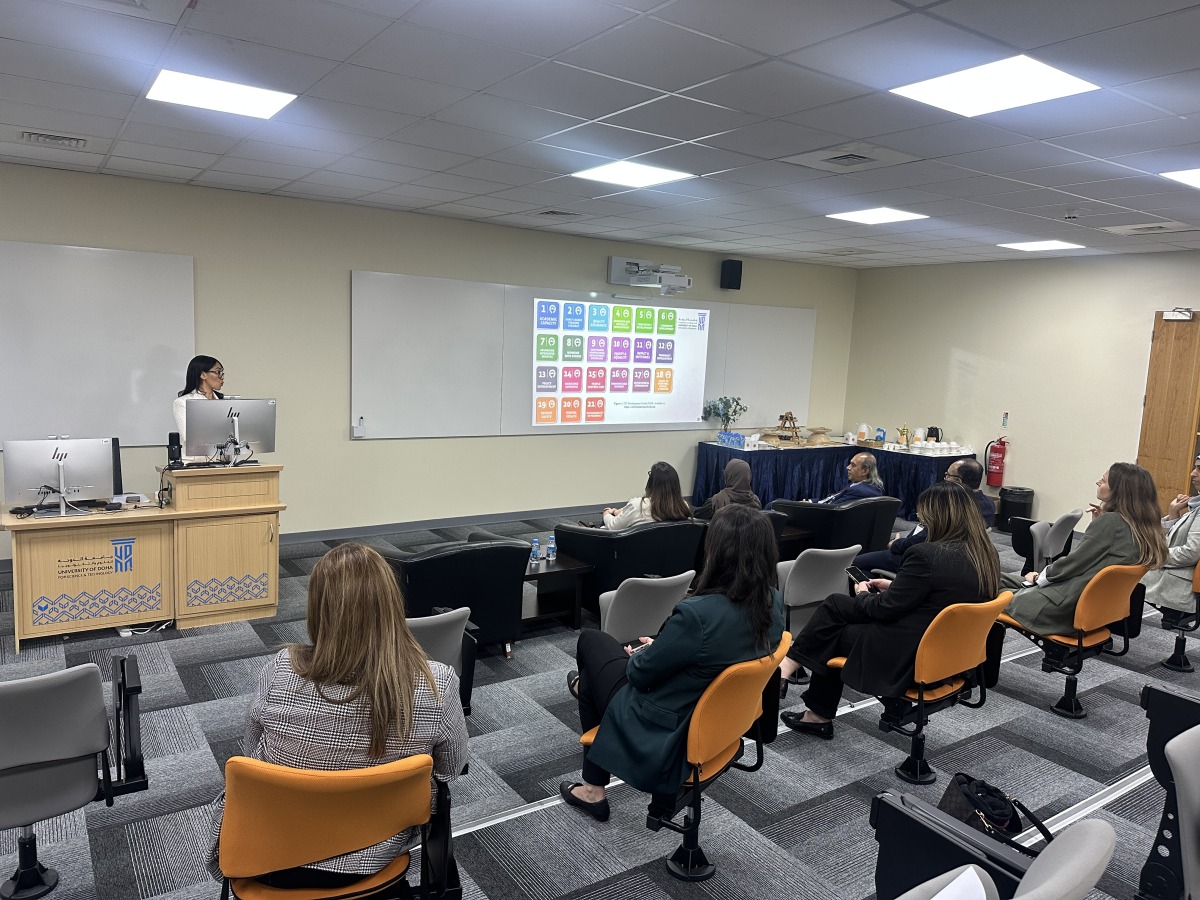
x=856 y=574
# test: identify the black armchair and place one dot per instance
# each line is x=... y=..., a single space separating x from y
x=487 y=576
x=865 y=522
x=653 y=548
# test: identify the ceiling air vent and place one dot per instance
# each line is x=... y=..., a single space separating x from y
x=1163 y=227
x=53 y=140
x=854 y=157
x=558 y=213
x=845 y=251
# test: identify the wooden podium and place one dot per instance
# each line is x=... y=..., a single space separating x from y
x=211 y=556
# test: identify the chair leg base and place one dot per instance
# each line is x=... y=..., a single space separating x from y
x=690 y=864
x=1178 y=661
x=915 y=771
x=1069 y=708
x=29 y=884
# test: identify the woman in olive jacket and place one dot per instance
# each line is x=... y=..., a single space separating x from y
x=643 y=699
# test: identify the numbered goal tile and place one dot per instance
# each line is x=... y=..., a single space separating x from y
x=572 y=379
x=619 y=349
x=643 y=350
x=571 y=410
x=545 y=411
x=664 y=350
x=598 y=317
x=572 y=348
x=666 y=321
x=597 y=348
x=643 y=321
x=596 y=379
x=664 y=380
x=574 y=316
x=622 y=319
x=618 y=380
x=594 y=409
x=641 y=381
x=547 y=348
x=546 y=380
x=547 y=315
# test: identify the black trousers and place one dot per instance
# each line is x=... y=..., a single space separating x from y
x=602 y=660
x=300 y=877
x=832 y=631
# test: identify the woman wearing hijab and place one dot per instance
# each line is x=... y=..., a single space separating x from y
x=737 y=491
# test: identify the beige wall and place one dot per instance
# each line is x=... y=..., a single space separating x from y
x=1062 y=344
x=272 y=283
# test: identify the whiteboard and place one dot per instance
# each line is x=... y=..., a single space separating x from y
x=93 y=342
x=405 y=382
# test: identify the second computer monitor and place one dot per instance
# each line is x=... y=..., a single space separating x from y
x=209 y=425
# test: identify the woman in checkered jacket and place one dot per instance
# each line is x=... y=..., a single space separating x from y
x=361 y=694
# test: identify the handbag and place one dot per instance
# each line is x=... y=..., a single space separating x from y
x=990 y=810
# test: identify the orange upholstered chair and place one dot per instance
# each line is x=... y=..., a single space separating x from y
x=279 y=818
x=948 y=668
x=1104 y=602
x=729 y=709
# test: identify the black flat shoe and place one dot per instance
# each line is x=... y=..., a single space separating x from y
x=573 y=683
x=795 y=721
x=598 y=810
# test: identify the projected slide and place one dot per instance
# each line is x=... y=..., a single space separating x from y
x=617 y=364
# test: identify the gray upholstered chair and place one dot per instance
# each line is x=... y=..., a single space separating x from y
x=641 y=605
x=810 y=578
x=1051 y=542
x=1067 y=869
x=444 y=637
x=1183 y=755
x=55 y=740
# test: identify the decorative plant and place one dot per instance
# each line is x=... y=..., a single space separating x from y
x=727 y=409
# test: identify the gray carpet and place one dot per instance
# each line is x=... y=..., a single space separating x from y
x=796 y=829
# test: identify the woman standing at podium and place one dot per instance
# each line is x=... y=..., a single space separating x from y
x=205 y=376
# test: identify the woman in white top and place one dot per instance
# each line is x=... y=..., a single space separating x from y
x=205 y=376
x=662 y=502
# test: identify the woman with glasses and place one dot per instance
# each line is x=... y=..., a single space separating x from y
x=204 y=379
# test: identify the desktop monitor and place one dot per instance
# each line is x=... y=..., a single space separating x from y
x=73 y=469
x=215 y=427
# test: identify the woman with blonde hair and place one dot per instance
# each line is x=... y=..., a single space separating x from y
x=879 y=629
x=361 y=694
x=1125 y=531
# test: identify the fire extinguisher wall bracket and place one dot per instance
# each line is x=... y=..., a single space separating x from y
x=994 y=455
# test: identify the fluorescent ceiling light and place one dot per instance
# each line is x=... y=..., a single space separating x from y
x=631 y=174
x=1005 y=84
x=877 y=216
x=223 y=96
x=1190 y=177
x=1033 y=246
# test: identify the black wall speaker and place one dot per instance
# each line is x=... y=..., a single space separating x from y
x=731 y=274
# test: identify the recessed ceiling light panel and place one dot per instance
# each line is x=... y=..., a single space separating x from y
x=1190 y=177
x=1035 y=246
x=222 y=96
x=631 y=174
x=1005 y=84
x=879 y=216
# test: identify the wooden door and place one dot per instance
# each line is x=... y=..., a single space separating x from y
x=225 y=565
x=1171 y=408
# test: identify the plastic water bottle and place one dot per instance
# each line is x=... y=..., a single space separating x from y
x=533 y=551
x=551 y=550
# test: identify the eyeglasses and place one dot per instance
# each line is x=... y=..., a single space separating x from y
x=954 y=478
x=220 y=373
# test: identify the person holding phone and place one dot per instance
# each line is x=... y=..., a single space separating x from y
x=642 y=695
x=878 y=630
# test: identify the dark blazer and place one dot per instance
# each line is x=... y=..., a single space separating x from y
x=932 y=576
x=858 y=491
x=643 y=735
x=987 y=509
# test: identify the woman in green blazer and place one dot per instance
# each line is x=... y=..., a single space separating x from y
x=643 y=698
x=1125 y=531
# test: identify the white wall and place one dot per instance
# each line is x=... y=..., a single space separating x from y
x=272 y=280
x=1062 y=344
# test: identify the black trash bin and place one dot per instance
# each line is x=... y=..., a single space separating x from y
x=1014 y=501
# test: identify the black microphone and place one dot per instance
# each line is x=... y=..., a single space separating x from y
x=174 y=450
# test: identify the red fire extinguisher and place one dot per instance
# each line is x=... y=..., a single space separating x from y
x=995 y=461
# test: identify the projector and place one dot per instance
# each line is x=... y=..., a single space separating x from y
x=670 y=283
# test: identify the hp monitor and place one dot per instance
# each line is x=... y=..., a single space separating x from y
x=228 y=430
x=69 y=471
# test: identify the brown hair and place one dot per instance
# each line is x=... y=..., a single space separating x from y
x=360 y=640
x=665 y=495
x=1135 y=499
x=948 y=510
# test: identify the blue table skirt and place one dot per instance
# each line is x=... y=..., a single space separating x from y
x=810 y=473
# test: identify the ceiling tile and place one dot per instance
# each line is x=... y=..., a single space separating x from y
x=1034 y=23
x=334 y=116
x=118 y=165
x=455 y=138
x=240 y=182
x=681 y=118
x=1164 y=133
x=619 y=143
x=103 y=73
x=571 y=91
x=398 y=93
x=532 y=26
x=1163 y=45
x=503 y=173
x=502 y=116
x=189 y=118
x=260 y=168
x=65 y=97
x=283 y=153
x=949 y=138
x=775 y=89
x=553 y=159
x=178 y=138
x=434 y=55
x=872 y=114
x=1074 y=173
x=447 y=182
x=311 y=27
x=169 y=155
x=1178 y=94
x=373 y=168
x=357 y=183
x=1014 y=158
x=873 y=56
x=773 y=139
x=76 y=28
x=212 y=56
x=659 y=55
x=311 y=138
x=57 y=121
x=1092 y=111
x=775 y=27
x=412 y=155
